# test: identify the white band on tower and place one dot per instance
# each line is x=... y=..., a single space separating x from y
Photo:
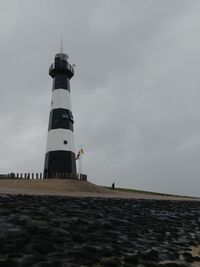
x=60 y=139
x=61 y=98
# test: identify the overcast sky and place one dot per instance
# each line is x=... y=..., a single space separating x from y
x=135 y=93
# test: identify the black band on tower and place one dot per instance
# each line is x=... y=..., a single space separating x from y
x=60 y=162
x=61 y=119
x=61 y=81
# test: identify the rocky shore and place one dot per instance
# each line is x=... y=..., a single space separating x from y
x=47 y=231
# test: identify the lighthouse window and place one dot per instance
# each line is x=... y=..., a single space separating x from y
x=65 y=142
x=65 y=116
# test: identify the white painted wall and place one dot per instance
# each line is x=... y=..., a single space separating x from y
x=55 y=140
x=61 y=98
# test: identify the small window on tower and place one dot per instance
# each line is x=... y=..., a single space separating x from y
x=65 y=116
x=65 y=142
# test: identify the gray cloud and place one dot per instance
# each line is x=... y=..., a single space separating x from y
x=135 y=93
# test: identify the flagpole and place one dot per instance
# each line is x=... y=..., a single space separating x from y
x=81 y=161
x=79 y=167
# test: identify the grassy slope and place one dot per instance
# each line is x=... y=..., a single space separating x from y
x=127 y=190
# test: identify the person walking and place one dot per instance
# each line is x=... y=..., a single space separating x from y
x=113 y=186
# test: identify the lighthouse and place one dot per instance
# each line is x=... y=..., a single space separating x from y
x=60 y=157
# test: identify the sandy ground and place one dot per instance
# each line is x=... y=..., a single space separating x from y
x=195 y=252
x=74 y=188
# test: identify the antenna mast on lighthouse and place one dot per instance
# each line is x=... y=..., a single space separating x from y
x=61 y=45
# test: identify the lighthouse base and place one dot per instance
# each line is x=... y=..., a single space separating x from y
x=60 y=164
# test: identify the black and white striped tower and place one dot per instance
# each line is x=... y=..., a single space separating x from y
x=60 y=156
